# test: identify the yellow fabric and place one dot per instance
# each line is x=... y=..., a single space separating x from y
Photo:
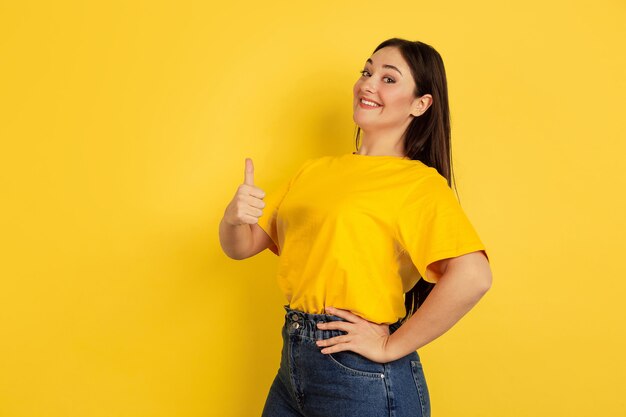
x=356 y=232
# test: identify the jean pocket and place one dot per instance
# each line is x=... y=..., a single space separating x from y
x=355 y=364
x=422 y=388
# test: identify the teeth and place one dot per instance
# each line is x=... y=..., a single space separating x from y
x=369 y=103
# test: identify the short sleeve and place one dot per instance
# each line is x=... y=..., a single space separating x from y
x=273 y=199
x=431 y=225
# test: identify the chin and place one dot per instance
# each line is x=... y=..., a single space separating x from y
x=363 y=124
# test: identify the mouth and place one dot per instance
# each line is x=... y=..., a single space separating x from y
x=369 y=103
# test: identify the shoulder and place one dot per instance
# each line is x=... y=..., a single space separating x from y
x=305 y=165
x=427 y=187
x=424 y=178
x=316 y=161
x=311 y=162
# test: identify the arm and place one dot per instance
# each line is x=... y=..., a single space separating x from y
x=240 y=235
x=464 y=280
x=235 y=239
x=244 y=240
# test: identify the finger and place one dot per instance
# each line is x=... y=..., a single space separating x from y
x=335 y=325
x=348 y=315
x=252 y=190
x=248 y=178
x=336 y=348
x=254 y=212
x=333 y=340
x=249 y=219
x=256 y=203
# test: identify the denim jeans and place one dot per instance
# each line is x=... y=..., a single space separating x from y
x=342 y=384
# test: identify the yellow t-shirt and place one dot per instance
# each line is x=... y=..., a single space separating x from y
x=356 y=232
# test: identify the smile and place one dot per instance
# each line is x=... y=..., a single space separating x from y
x=368 y=103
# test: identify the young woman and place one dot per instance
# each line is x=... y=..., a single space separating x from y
x=363 y=238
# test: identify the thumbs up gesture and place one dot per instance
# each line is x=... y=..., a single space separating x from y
x=247 y=205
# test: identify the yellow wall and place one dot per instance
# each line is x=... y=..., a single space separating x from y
x=124 y=131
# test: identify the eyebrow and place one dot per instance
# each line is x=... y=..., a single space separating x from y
x=385 y=66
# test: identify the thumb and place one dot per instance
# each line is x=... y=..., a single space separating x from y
x=249 y=173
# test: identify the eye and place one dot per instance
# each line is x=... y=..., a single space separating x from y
x=391 y=80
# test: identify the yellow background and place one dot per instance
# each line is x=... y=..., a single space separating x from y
x=124 y=130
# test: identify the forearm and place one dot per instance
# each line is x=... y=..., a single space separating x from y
x=235 y=240
x=450 y=299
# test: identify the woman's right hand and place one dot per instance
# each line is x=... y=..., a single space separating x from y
x=247 y=205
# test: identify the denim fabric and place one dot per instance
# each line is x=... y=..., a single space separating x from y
x=342 y=384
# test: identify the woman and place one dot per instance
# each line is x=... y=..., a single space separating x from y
x=357 y=232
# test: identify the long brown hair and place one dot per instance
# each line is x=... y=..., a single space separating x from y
x=427 y=138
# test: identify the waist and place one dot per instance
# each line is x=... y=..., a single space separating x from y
x=305 y=324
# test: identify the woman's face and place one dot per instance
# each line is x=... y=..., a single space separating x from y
x=387 y=81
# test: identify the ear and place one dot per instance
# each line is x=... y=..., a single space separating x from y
x=421 y=104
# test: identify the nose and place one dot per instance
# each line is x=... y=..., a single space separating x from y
x=368 y=86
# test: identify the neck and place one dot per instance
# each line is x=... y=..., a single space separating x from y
x=381 y=143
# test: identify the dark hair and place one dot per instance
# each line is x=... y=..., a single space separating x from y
x=427 y=138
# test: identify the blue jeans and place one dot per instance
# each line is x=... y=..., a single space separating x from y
x=342 y=384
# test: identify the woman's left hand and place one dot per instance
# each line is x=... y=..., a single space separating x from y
x=364 y=337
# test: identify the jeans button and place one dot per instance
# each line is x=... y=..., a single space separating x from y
x=295 y=317
x=295 y=325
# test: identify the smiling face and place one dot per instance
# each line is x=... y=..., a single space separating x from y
x=386 y=81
